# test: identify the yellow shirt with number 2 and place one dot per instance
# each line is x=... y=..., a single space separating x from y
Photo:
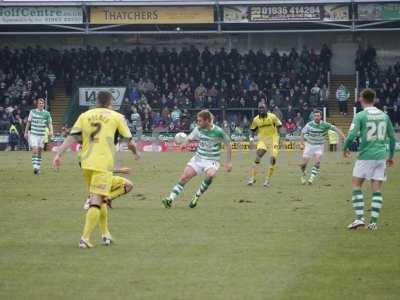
x=98 y=128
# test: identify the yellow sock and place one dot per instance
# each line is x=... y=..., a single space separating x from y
x=103 y=220
x=92 y=218
x=116 y=192
x=270 y=172
x=253 y=171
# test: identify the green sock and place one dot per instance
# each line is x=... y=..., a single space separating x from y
x=358 y=203
x=376 y=206
x=203 y=186
x=34 y=161
x=314 y=172
x=176 y=190
x=39 y=161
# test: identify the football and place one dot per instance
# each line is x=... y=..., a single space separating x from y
x=181 y=138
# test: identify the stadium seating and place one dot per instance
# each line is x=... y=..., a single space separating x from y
x=165 y=80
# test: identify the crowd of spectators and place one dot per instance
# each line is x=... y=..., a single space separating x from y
x=385 y=81
x=25 y=76
x=164 y=86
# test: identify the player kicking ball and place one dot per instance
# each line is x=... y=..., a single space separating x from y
x=312 y=139
x=38 y=121
x=266 y=125
x=206 y=159
x=96 y=129
x=373 y=127
x=120 y=186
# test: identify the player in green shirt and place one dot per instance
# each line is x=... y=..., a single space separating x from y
x=206 y=159
x=38 y=121
x=312 y=139
x=374 y=128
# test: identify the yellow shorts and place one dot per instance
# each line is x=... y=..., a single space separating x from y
x=98 y=182
x=117 y=182
x=270 y=144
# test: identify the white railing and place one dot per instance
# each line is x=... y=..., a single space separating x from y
x=324 y=113
x=356 y=89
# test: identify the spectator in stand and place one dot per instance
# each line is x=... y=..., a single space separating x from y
x=13 y=137
x=290 y=126
x=299 y=121
x=176 y=115
x=333 y=140
x=289 y=113
x=277 y=111
x=136 y=124
x=342 y=96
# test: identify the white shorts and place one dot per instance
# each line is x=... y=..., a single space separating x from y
x=200 y=165
x=36 y=141
x=312 y=150
x=370 y=169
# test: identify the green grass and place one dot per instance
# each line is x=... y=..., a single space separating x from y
x=287 y=242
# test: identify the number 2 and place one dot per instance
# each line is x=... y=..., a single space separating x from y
x=96 y=131
x=376 y=132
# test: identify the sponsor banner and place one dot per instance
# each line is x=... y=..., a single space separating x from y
x=285 y=13
x=236 y=14
x=151 y=15
x=271 y=13
x=383 y=11
x=87 y=95
x=41 y=15
x=336 y=12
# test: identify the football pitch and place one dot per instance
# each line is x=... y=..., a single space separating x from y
x=286 y=242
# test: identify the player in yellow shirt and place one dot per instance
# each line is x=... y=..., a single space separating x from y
x=266 y=125
x=96 y=129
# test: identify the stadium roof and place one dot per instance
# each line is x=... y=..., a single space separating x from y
x=174 y=2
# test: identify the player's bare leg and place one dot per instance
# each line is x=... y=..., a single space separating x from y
x=303 y=167
x=315 y=169
x=91 y=220
x=187 y=175
x=210 y=175
x=358 y=203
x=254 y=169
x=376 y=204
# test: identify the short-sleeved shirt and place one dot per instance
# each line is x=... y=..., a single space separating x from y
x=210 y=141
x=374 y=128
x=40 y=120
x=98 y=128
x=266 y=126
x=315 y=133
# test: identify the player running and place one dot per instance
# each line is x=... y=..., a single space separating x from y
x=267 y=126
x=97 y=128
x=314 y=134
x=206 y=159
x=373 y=127
x=38 y=121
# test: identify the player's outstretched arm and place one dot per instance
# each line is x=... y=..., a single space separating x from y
x=71 y=139
x=132 y=147
x=122 y=170
x=340 y=132
x=51 y=132
x=354 y=129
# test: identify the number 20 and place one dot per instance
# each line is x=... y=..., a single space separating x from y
x=376 y=132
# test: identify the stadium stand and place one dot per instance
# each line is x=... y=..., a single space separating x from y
x=166 y=85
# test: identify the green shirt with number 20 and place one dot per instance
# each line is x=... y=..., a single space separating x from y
x=374 y=128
